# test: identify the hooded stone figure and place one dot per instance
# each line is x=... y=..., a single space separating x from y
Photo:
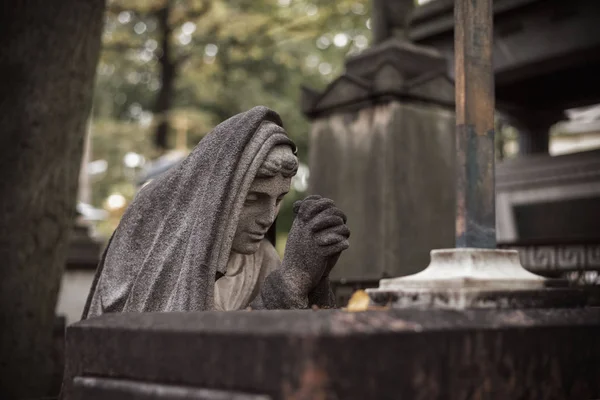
x=194 y=238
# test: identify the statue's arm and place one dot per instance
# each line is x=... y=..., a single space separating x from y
x=278 y=293
x=322 y=296
x=274 y=291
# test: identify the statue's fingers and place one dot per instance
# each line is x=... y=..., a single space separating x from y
x=329 y=237
x=340 y=230
x=325 y=221
x=296 y=206
x=310 y=209
x=336 y=248
x=334 y=211
x=308 y=199
x=313 y=197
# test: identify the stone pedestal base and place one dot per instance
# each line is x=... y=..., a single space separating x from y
x=477 y=278
x=331 y=354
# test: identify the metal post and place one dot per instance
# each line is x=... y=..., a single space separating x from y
x=475 y=208
x=474 y=274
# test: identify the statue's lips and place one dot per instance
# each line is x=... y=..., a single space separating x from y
x=256 y=235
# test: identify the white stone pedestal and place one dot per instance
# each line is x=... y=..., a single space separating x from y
x=475 y=278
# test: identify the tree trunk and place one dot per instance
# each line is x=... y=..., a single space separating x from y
x=48 y=60
x=168 y=73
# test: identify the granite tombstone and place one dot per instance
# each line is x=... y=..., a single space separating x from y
x=193 y=239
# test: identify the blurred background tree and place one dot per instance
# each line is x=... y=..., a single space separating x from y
x=171 y=70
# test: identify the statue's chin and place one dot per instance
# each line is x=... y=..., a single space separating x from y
x=246 y=248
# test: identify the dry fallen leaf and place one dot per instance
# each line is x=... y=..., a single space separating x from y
x=358 y=302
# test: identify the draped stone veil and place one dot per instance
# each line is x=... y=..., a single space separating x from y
x=177 y=232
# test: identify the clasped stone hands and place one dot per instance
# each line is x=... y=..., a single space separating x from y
x=318 y=235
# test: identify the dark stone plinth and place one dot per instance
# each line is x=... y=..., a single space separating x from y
x=389 y=354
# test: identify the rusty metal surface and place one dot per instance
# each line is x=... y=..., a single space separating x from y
x=475 y=208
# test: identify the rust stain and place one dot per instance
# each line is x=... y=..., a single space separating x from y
x=474 y=77
x=313 y=385
x=473 y=65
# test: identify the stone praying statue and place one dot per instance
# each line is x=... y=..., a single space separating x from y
x=193 y=239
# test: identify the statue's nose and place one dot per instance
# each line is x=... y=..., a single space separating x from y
x=265 y=222
x=266 y=218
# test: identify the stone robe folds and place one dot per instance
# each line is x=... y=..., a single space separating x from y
x=177 y=232
x=242 y=280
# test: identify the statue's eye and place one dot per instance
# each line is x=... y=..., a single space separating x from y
x=251 y=198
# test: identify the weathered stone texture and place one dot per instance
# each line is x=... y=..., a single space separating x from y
x=393 y=354
x=390 y=167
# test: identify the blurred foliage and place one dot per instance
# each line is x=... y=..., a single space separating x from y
x=210 y=59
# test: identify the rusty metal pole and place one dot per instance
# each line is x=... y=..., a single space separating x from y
x=475 y=206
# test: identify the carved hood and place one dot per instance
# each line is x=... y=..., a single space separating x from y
x=177 y=232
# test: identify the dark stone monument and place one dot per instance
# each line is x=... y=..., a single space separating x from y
x=381 y=146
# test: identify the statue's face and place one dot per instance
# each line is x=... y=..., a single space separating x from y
x=259 y=211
